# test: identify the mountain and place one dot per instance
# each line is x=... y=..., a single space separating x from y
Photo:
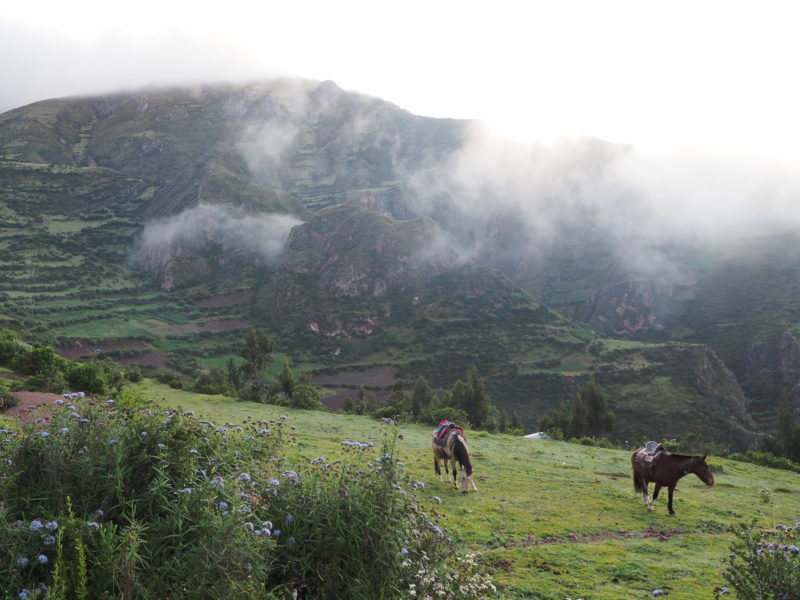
x=376 y=244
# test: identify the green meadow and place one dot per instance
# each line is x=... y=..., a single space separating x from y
x=555 y=520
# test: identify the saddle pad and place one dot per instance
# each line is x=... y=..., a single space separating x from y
x=652 y=447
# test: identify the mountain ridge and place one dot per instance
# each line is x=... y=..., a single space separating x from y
x=370 y=190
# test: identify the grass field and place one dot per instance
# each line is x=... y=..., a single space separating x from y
x=556 y=520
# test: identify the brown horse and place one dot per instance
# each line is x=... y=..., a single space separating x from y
x=452 y=448
x=665 y=469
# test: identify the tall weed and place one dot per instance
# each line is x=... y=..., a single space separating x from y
x=128 y=500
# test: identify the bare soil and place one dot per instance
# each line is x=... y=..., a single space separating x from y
x=377 y=377
x=660 y=534
x=336 y=400
x=32 y=405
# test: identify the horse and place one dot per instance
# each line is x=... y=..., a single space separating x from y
x=452 y=448
x=665 y=469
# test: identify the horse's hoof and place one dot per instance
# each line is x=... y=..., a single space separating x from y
x=672 y=513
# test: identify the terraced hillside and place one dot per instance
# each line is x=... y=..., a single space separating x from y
x=156 y=226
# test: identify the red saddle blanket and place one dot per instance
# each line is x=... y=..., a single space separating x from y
x=444 y=427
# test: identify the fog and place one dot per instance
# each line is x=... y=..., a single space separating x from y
x=38 y=64
x=207 y=227
x=635 y=196
x=698 y=103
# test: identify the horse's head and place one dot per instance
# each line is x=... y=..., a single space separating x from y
x=467 y=484
x=700 y=468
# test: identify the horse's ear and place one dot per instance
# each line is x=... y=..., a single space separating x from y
x=703 y=457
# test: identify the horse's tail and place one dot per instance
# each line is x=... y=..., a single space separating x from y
x=637 y=482
x=461 y=453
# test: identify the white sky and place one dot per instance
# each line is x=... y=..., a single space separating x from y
x=708 y=74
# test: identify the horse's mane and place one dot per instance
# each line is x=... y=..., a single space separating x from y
x=686 y=456
x=461 y=452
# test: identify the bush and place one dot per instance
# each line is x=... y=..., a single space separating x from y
x=306 y=396
x=764 y=564
x=134 y=374
x=766 y=459
x=433 y=415
x=7 y=399
x=133 y=501
x=53 y=383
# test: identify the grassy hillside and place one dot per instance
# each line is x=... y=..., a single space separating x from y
x=555 y=519
x=370 y=281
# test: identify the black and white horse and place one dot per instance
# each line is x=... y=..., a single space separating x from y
x=452 y=448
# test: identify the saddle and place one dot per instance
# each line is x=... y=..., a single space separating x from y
x=650 y=455
x=442 y=429
x=652 y=448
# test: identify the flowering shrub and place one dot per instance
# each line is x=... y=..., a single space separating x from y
x=764 y=564
x=130 y=500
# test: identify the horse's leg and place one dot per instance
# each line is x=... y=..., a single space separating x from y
x=669 y=505
x=645 y=495
x=436 y=465
x=655 y=491
x=454 y=467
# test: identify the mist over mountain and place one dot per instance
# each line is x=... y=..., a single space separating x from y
x=363 y=234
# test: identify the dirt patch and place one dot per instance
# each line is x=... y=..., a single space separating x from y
x=149 y=359
x=225 y=301
x=377 y=377
x=615 y=475
x=86 y=348
x=336 y=400
x=660 y=534
x=32 y=406
x=229 y=325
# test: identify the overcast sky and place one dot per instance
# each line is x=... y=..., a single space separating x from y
x=705 y=74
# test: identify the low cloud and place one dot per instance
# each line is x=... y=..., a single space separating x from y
x=56 y=65
x=511 y=199
x=206 y=226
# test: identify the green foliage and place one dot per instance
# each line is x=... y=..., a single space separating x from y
x=134 y=374
x=148 y=503
x=764 y=564
x=286 y=379
x=11 y=346
x=306 y=396
x=41 y=360
x=765 y=459
x=256 y=353
x=96 y=377
x=212 y=381
x=588 y=415
x=365 y=402
x=421 y=396
x=435 y=414
x=7 y=399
